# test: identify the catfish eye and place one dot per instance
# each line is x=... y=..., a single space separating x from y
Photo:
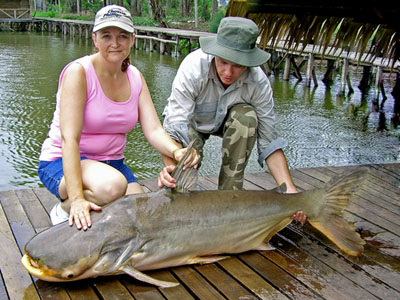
x=70 y=276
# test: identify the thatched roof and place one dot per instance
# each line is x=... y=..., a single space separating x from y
x=366 y=27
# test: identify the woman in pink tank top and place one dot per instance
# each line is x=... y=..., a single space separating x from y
x=100 y=98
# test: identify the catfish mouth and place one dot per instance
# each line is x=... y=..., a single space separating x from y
x=43 y=273
x=81 y=270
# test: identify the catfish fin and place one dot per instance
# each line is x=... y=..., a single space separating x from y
x=145 y=278
x=206 y=259
x=186 y=179
x=265 y=247
x=330 y=221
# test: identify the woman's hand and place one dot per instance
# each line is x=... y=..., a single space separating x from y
x=165 y=178
x=80 y=213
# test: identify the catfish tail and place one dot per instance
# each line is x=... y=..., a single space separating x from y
x=330 y=220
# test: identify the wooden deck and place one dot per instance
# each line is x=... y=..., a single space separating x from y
x=305 y=265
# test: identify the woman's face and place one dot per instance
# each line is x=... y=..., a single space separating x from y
x=113 y=43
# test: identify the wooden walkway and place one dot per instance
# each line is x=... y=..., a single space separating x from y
x=305 y=265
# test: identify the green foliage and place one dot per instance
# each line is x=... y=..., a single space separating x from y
x=143 y=21
x=46 y=14
x=92 y=6
x=205 y=11
x=216 y=20
x=183 y=46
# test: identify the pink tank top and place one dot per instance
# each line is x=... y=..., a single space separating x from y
x=105 y=122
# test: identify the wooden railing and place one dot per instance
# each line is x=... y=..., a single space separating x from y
x=14 y=13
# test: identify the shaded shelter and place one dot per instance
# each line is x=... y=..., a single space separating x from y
x=370 y=28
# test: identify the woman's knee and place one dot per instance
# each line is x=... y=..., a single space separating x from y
x=104 y=184
x=110 y=190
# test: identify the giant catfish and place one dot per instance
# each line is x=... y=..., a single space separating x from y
x=177 y=227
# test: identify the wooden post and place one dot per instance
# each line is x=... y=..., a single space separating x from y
x=328 y=77
x=314 y=76
x=343 y=80
x=151 y=45
x=176 y=46
x=296 y=69
x=364 y=83
x=378 y=81
x=286 y=72
x=162 y=44
x=142 y=44
x=136 y=43
x=351 y=91
x=310 y=67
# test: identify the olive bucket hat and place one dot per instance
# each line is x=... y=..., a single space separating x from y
x=236 y=42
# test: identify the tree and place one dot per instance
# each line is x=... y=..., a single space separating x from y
x=214 y=8
x=136 y=7
x=185 y=8
x=158 y=12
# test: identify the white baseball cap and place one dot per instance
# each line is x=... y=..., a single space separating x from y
x=113 y=16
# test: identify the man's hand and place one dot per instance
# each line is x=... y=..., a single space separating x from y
x=300 y=217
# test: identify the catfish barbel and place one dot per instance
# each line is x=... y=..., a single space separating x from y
x=170 y=228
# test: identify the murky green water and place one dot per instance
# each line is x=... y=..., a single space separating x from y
x=321 y=128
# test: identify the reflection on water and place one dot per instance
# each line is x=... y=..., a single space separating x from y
x=321 y=128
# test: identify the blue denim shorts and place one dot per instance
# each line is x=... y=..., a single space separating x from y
x=51 y=172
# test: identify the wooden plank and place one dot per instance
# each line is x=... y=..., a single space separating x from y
x=17 y=219
x=278 y=277
x=308 y=277
x=150 y=184
x=342 y=265
x=327 y=273
x=33 y=209
x=230 y=288
x=141 y=290
x=111 y=288
x=374 y=262
x=251 y=280
x=262 y=180
x=15 y=278
x=197 y=284
x=51 y=290
x=47 y=199
x=178 y=292
x=80 y=290
x=3 y=292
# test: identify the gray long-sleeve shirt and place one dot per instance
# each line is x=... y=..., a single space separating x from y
x=198 y=98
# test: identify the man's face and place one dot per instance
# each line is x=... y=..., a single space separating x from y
x=228 y=72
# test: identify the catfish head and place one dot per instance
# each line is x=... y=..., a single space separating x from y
x=63 y=253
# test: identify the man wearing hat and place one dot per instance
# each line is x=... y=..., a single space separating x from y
x=221 y=90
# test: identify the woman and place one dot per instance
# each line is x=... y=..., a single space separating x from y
x=100 y=98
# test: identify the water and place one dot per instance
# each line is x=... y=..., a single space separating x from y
x=322 y=129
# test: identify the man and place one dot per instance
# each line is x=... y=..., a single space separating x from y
x=221 y=90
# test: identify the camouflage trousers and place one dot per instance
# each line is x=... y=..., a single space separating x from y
x=238 y=133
